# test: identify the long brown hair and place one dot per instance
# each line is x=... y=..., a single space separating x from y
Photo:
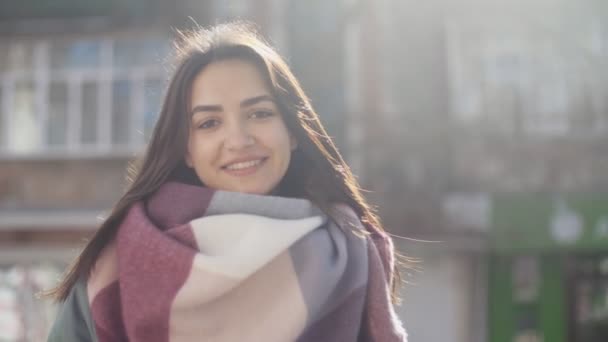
x=316 y=172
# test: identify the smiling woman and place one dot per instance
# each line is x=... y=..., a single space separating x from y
x=243 y=222
x=238 y=140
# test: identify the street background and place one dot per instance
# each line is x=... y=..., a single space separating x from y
x=480 y=128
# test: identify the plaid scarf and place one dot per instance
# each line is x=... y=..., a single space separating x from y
x=196 y=264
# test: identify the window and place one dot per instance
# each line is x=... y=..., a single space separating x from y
x=78 y=54
x=24 y=123
x=121 y=100
x=588 y=292
x=58 y=119
x=89 y=110
x=523 y=79
x=129 y=52
x=83 y=96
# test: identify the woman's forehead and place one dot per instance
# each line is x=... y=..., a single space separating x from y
x=228 y=80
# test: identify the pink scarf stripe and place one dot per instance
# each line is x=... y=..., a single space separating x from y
x=142 y=251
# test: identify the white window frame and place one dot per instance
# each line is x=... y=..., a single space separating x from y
x=42 y=76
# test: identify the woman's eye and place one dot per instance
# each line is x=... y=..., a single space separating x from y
x=260 y=114
x=208 y=124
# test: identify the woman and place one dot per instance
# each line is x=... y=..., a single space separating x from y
x=242 y=222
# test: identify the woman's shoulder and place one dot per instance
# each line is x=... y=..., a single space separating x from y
x=73 y=321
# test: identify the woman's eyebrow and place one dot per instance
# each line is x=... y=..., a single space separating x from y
x=245 y=103
x=256 y=99
x=206 y=108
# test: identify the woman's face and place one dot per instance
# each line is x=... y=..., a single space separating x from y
x=238 y=140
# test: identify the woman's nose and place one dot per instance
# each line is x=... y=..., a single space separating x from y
x=239 y=137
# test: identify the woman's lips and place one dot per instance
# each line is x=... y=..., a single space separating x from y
x=245 y=170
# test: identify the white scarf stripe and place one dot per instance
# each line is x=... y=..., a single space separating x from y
x=237 y=245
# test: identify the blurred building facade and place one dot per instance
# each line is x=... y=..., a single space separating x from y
x=479 y=126
x=499 y=111
x=80 y=85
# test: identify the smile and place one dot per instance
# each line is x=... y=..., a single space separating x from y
x=244 y=168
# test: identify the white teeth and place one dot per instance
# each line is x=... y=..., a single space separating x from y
x=243 y=165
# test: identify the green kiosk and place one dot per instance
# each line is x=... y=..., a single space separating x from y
x=548 y=271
